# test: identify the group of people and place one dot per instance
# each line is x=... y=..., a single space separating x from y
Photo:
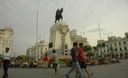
x=78 y=61
x=53 y=60
x=21 y=63
x=6 y=59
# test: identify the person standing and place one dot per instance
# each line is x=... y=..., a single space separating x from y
x=50 y=62
x=75 y=64
x=81 y=60
x=45 y=61
x=0 y=63
x=6 y=60
x=55 y=61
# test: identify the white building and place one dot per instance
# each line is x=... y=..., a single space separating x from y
x=37 y=50
x=78 y=38
x=6 y=39
x=29 y=52
x=114 y=45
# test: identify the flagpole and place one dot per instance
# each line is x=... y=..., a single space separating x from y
x=37 y=34
x=100 y=38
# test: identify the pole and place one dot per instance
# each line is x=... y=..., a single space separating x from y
x=37 y=35
x=100 y=38
x=99 y=30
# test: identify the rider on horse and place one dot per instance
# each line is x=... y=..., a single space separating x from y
x=59 y=15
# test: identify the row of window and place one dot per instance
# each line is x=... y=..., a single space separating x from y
x=7 y=41
x=66 y=53
x=120 y=49
x=125 y=48
x=119 y=44
x=1 y=32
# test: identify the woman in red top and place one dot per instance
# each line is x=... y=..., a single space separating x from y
x=82 y=60
x=45 y=61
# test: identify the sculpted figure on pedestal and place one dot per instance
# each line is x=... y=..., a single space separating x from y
x=58 y=15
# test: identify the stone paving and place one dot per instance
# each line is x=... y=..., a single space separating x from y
x=119 y=70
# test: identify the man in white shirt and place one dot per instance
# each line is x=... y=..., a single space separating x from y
x=55 y=61
x=6 y=60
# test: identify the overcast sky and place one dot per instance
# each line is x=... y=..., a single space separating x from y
x=83 y=15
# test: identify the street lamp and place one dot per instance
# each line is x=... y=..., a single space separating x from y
x=100 y=39
x=37 y=35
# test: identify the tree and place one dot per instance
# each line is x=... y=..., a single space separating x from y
x=87 y=48
x=89 y=54
x=19 y=58
x=22 y=57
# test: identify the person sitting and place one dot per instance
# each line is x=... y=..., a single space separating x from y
x=34 y=64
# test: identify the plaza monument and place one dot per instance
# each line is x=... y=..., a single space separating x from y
x=60 y=37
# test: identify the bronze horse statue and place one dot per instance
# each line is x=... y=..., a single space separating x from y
x=58 y=15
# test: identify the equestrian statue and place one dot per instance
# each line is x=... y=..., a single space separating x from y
x=58 y=15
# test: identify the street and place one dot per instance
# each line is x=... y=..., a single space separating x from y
x=119 y=70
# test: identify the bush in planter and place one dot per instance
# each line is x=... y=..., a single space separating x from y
x=89 y=54
x=61 y=62
x=65 y=61
x=87 y=48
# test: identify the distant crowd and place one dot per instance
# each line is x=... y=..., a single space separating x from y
x=47 y=62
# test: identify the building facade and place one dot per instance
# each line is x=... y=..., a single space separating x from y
x=37 y=50
x=78 y=38
x=6 y=39
x=114 y=45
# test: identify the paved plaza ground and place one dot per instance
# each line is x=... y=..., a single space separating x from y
x=119 y=70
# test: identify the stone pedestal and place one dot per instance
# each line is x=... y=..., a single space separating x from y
x=60 y=38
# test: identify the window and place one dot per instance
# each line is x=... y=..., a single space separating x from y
x=65 y=50
x=125 y=48
x=107 y=45
x=115 y=44
x=41 y=48
x=108 y=50
x=116 y=49
x=120 y=49
x=119 y=43
x=66 y=46
x=101 y=52
x=124 y=42
x=66 y=54
x=51 y=45
x=104 y=50
x=45 y=48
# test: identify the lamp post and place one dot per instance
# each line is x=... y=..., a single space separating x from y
x=37 y=25
x=100 y=39
x=37 y=34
